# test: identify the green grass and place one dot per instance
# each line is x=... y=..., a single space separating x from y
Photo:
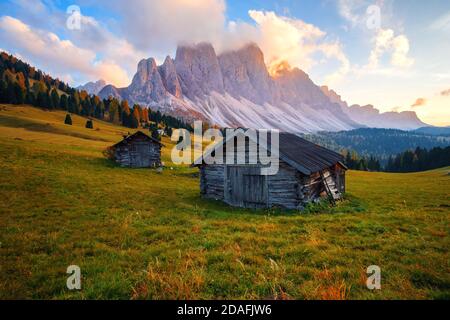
x=140 y=234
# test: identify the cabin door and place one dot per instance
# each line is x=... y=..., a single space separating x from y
x=246 y=187
x=139 y=155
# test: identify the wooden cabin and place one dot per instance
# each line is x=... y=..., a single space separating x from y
x=138 y=150
x=307 y=172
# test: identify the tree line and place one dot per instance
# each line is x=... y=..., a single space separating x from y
x=419 y=159
x=21 y=83
x=381 y=143
x=355 y=162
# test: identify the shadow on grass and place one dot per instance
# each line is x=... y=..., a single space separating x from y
x=349 y=205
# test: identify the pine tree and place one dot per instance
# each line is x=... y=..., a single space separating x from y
x=3 y=91
x=71 y=102
x=68 y=120
x=169 y=131
x=55 y=101
x=30 y=98
x=63 y=102
x=134 y=118
x=10 y=93
x=41 y=100
x=126 y=112
x=99 y=110
x=19 y=94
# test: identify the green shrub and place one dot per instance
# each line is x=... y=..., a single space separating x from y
x=68 y=120
x=89 y=124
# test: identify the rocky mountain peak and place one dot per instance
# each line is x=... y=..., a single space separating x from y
x=334 y=97
x=93 y=87
x=170 y=78
x=147 y=84
x=245 y=75
x=146 y=68
x=198 y=70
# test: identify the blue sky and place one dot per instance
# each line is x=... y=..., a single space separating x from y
x=400 y=62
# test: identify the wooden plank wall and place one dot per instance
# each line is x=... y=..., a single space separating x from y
x=138 y=154
x=212 y=181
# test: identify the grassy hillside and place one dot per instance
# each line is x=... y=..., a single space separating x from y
x=143 y=234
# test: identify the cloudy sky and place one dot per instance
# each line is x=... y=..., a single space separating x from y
x=392 y=54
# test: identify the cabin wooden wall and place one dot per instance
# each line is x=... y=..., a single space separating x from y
x=285 y=188
x=212 y=181
x=138 y=153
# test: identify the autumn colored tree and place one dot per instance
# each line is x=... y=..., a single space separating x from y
x=144 y=116
x=114 y=111
x=138 y=112
x=20 y=78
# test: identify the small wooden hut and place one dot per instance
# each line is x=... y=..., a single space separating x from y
x=307 y=172
x=138 y=150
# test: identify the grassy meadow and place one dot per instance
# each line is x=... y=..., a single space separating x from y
x=140 y=234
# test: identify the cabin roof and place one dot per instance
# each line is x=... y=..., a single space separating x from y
x=130 y=137
x=303 y=155
x=306 y=156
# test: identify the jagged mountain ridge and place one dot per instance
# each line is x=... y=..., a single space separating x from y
x=371 y=117
x=236 y=89
x=93 y=87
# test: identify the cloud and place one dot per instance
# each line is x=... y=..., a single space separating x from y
x=57 y=56
x=419 y=102
x=111 y=47
x=387 y=42
x=94 y=36
x=298 y=43
x=167 y=24
x=160 y=26
x=445 y=93
x=353 y=11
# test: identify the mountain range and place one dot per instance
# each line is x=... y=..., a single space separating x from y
x=236 y=89
x=93 y=87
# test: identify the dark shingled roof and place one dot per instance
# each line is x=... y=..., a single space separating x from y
x=132 y=136
x=306 y=156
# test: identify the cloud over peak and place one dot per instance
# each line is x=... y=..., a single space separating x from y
x=419 y=102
